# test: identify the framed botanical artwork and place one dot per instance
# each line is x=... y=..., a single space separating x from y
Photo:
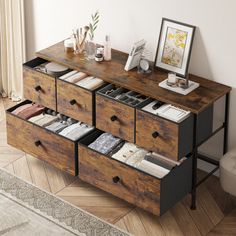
x=174 y=46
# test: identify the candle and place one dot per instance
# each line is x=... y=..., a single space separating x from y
x=171 y=78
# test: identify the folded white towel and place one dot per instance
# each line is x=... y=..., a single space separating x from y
x=67 y=75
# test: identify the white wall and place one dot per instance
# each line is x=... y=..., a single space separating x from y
x=214 y=50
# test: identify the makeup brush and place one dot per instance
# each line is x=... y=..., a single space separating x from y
x=86 y=29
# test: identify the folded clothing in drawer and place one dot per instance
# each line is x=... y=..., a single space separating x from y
x=57 y=126
x=82 y=79
x=29 y=110
x=52 y=121
x=161 y=160
x=141 y=159
x=130 y=154
x=44 y=119
x=127 y=173
x=73 y=76
x=69 y=127
x=105 y=143
x=90 y=82
x=76 y=131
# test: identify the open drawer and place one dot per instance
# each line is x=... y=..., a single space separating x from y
x=163 y=136
x=75 y=101
x=135 y=186
x=168 y=138
x=39 y=87
x=46 y=145
x=114 y=115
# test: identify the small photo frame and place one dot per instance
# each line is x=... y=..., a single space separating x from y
x=174 y=46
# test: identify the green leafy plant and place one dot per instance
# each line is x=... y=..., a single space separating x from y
x=94 y=24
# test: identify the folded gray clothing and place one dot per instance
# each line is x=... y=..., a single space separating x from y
x=76 y=131
x=152 y=169
x=159 y=161
x=105 y=143
x=57 y=126
x=44 y=119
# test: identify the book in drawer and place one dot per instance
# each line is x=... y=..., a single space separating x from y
x=135 y=186
x=41 y=143
x=39 y=87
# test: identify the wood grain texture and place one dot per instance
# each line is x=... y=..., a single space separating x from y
x=113 y=72
x=54 y=149
x=123 y=127
x=47 y=95
x=114 y=210
x=166 y=143
x=134 y=186
x=226 y=227
x=82 y=110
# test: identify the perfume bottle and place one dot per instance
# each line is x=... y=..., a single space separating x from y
x=107 y=48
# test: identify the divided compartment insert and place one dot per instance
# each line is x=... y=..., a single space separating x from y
x=115 y=116
x=127 y=182
x=57 y=150
x=128 y=97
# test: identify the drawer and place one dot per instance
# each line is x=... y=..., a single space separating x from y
x=136 y=187
x=168 y=138
x=75 y=102
x=115 y=117
x=41 y=143
x=38 y=86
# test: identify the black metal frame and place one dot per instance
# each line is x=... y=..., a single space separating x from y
x=197 y=156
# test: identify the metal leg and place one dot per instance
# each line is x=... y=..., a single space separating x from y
x=225 y=148
x=195 y=153
x=194 y=176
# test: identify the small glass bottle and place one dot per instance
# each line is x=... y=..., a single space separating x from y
x=107 y=48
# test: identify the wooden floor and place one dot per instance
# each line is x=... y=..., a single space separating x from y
x=215 y=213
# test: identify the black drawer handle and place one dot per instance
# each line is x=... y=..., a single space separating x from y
x=37 y=143
x=114 y=118
x=155 y=134
x=116 y=179
x=38 y=88
x=73 y=102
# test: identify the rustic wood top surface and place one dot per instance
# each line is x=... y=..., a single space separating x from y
x=113 y=72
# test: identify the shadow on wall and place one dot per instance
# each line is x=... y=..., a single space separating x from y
x=199 y=60
x=29 y=29
x=232 y=112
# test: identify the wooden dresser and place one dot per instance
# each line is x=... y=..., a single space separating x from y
x=130 y=123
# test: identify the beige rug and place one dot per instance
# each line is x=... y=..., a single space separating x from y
x=27 y=210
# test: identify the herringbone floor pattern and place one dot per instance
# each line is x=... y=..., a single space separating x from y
x=215 y=213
